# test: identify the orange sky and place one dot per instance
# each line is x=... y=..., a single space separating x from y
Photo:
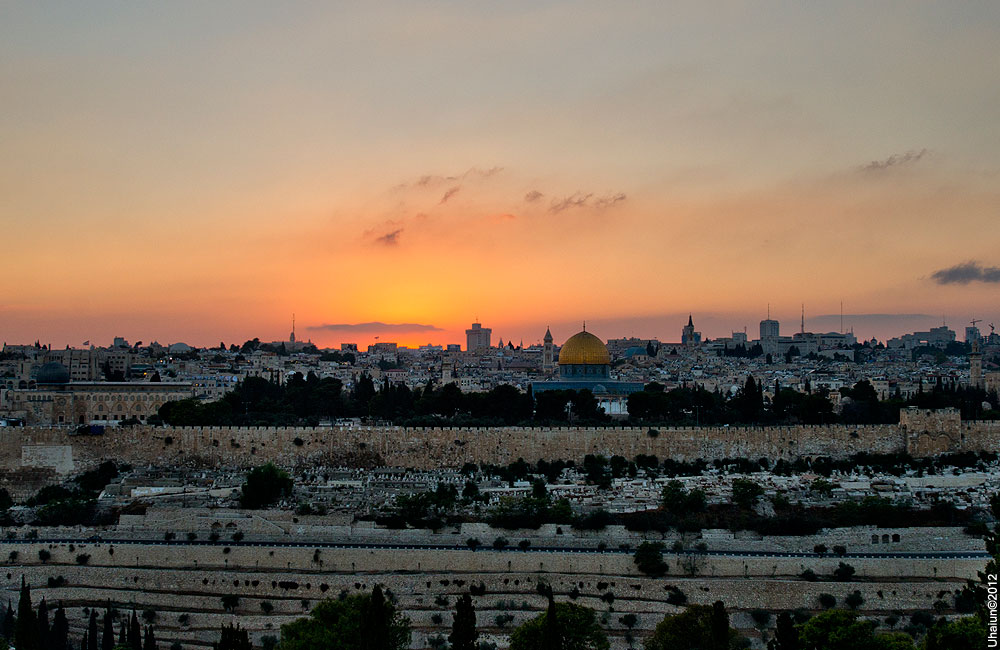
x=531 y=165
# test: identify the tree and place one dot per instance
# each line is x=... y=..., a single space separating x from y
x=839 y=629
x=9 y=622
x=698 y=627
x=150 y=641
x=346 y=624
x=233 y=638
x=786 y=637
x=578 y=629
x=108 y=638
x=963 y=633
x=649 y=559
x=746 y=493
x=43 y=624
x=26 y=627
x=463 y=629
x=60 y=630
x=92 y=631
x=134 y=633
x=265 y=485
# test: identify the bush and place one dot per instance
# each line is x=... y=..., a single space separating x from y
x=675 y=596
x=500 y=543
x=827 y=601
x=436 y=619
x=808 y=575
x=844 y=572
x=169 y=536
x=266 y=606
x=265 y=485
x=82 y=558
x=230 y=602
x=854 y=600
x=649 y=559
x=149 y=615
x=472 y=543
x=840 y=550
x=761 y=617
x=820 y=549
x=44 y=555
x=192 y=536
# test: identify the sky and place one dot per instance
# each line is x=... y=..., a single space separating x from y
x=199 y=172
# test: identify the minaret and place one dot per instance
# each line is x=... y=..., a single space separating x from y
x=976 y=366
x=548 y=352
x=291 y=337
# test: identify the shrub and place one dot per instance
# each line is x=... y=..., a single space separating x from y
x=169 y=535
x=472 y=543
x=82 y=558
x=761 y=617
x=854 y=600
x=844 y=572
x=230 y=602
x=808 y=575
x=827 y=601
x=149 y=615
x=649 y=559
x=266 y=606
x=840 y=550
x=192 y=536
x=44 y=555
x=675 y=596
x=500 y=543
x=436 y=619
x=820 y=549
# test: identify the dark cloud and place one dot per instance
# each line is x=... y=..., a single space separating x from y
x=895 y=160
x=389 y=238
x=533 y=196
x=967 y=272
x=450 y=193
x=581 y=200
x=375 y=326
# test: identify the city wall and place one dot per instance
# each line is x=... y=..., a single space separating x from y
x=920 y=433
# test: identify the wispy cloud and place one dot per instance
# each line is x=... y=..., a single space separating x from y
x=450 y=193
x=375 y=326
x=581 y=200
x=532 y=196
x=434 y=180
x=895 y=160
x=389 y=238
x=967 y=272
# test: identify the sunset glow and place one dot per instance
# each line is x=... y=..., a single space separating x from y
x=191 y=172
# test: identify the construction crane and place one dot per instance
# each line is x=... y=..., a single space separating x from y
x=976 y=320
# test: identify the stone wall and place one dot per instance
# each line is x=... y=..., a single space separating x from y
x=920 y=433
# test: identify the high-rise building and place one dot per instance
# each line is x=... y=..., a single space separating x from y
x=769 y=329
x=477 y=337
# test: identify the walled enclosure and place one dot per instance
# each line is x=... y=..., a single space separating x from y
x=919 y=433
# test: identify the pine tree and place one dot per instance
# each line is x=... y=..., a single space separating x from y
x=43 y=624
x=60 y=630
x=108 y=637
x=26 y=627
x=150 y=642
x=463 y=629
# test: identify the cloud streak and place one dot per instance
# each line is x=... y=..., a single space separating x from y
x=389 y=238
x=967 y=272
x=375 y=326
x=450 y=193
x=582 y=200
x=895 y=160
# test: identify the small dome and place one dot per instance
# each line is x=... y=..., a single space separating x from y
x=584 y=348
x=52 y=372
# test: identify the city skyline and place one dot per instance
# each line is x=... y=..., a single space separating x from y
x=177 y=171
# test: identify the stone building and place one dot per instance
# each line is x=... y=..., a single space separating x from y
x=57 y=400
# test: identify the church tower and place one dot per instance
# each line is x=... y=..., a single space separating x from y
x=548 y=352
x=976 y=366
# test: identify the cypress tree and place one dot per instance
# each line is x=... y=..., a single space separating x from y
x=552 y=636
x=233 y=638
x=150 y=642
x=463 y=629
x=108 y=633
x=7 y=629
x=60 y=630
x=26 y=627
x=134 y=633
x=374 y=623
x=43 y=624
x=92 y=631
x=720 y=626
x=85 y=642
x=122 y=635
x=786 y=637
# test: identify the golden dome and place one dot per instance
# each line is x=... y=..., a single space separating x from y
x=584 y=348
